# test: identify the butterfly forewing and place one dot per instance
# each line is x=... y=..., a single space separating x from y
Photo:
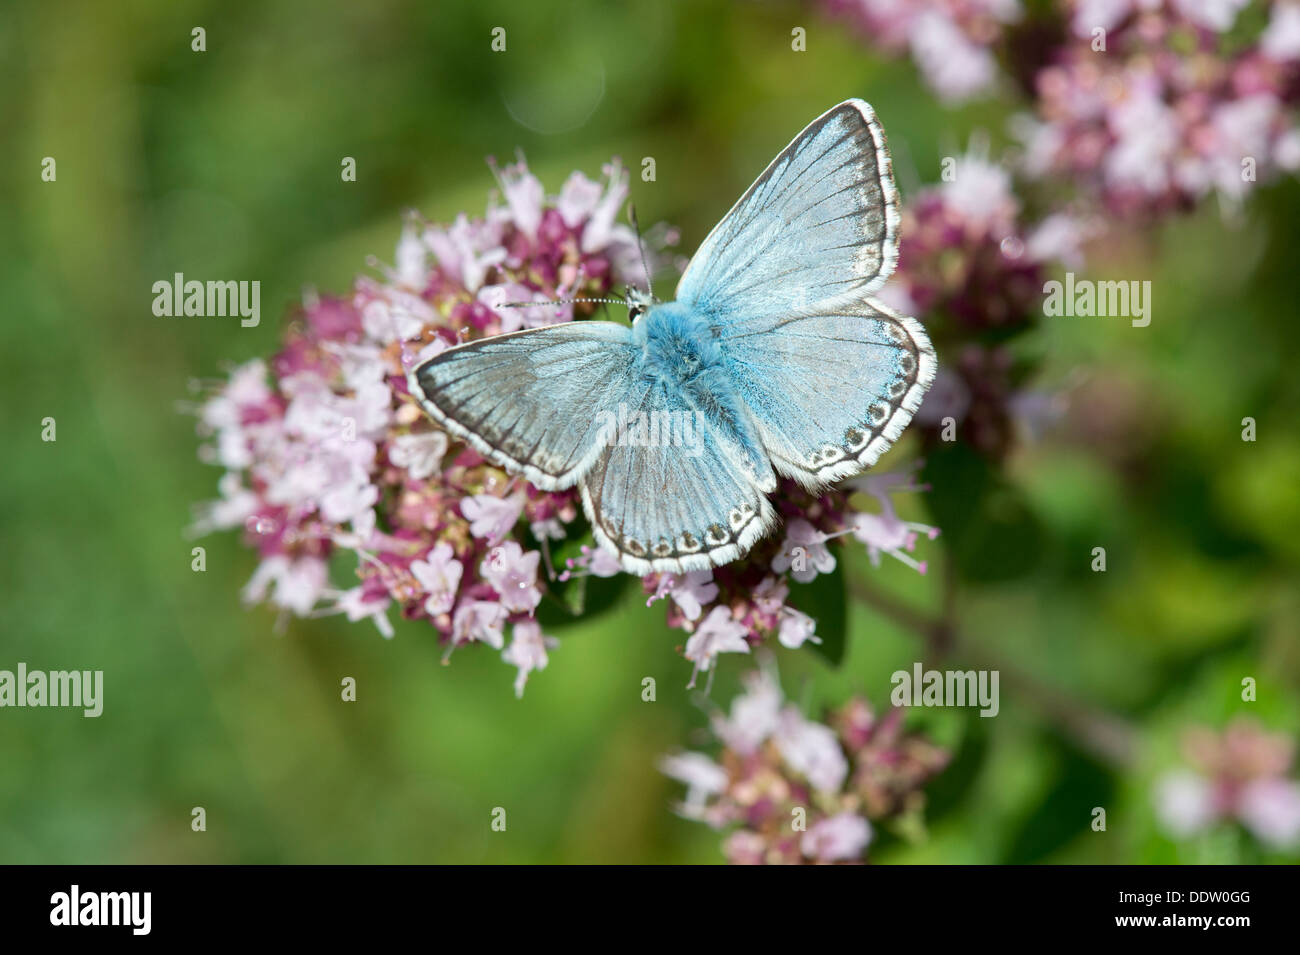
x=532 y=401
x=819 y=226
x=830 y=376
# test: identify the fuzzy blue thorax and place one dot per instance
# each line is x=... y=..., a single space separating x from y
x=679 y=347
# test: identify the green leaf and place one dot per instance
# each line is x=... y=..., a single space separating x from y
x=1065 y=812
x=988 y=526
x=952 y=786
x=824 y=598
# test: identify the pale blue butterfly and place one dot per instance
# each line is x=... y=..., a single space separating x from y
x=773 y=360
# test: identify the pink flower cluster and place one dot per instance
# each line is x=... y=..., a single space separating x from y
x=1150 y=107
x=951 y=40
x=1240 y=773
x=793 y=790
x=326 y=453
x=970 y=264
x=1145 y=106
x=734 y=608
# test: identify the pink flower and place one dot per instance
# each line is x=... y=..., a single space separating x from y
x=601 y=229
x=797 y=628
x=243 y=396
x=547 y=530
x=717 y=634
x=1184 y=803
x=490 y=516
x=804 y=553
x=236 y=505
x=745 y=848
x=524 y=195
x=420 y=454
x=480 y=620
x=882 y=535
x=980 y=195
x=1090 y=15
x=592 y=561
x=703 y=778
x=948 y=39
x=956 y=68
x=1150 y=126
x=755 y=714
x=527 y=651
x=812 y=750
x=435 y=347
x=1059 y=238
x=1270 y=808
x=770 y=595
x=690 y=591
x=838 y=838
x=394 y=314
x=412 y=258
x=466 y=250
x=886 y=533
x=1239 y=773
x=1281 y=40
x=439 y=574
x=358 y=605
x=577 y=200
x=602 y=563
x=513 y=574
x=297 y=584
x=754 y=590
x=350 y=500
x=777 y=766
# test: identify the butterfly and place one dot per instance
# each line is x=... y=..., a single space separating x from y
x=773 y=360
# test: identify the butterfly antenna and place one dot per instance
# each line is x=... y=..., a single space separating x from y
x=640 y=245
x=561 y=301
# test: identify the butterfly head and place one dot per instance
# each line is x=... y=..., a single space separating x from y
x=638 y=302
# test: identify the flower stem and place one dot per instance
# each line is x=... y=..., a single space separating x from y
x=1105 y=735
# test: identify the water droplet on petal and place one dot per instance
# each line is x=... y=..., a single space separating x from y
x=260 y=525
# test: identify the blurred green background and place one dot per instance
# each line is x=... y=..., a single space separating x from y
x=226 y=164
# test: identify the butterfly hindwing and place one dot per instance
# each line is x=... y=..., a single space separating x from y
x=819 y=225
x=677 y=505
x=532 y=401
x=830 y=392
